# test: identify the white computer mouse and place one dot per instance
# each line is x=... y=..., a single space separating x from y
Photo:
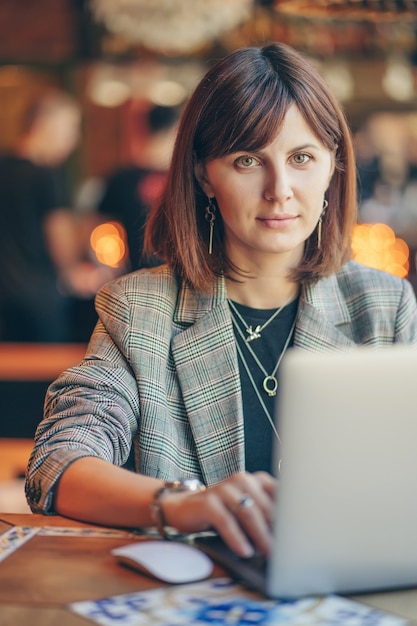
x=169 y=561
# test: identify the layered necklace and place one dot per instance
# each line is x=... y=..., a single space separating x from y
x=270 y=382
x=249 y=333
x=254 y=333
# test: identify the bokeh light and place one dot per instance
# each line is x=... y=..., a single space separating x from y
x=108 y=242
x=376 y=245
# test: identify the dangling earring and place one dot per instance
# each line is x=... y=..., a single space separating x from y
x=320 y=223
x=210 y=217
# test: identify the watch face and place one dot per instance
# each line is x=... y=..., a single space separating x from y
x=190 y=484
x=193 y=484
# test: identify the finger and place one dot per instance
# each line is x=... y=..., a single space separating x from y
x=261 y=487
x=212 y=509
x=224 y=518
x=252 y=520
x=246 y=519
x=268 y=482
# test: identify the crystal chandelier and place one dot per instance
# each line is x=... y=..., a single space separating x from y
x=173 y=26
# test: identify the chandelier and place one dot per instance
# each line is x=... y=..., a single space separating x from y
x=171 y=26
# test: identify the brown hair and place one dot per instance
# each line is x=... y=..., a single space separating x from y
x=240 y=105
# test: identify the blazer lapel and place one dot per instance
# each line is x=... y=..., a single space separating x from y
x=205 y=358
x=324 y=322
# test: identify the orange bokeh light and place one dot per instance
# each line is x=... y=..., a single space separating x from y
x=108 y=242
x=376 y=245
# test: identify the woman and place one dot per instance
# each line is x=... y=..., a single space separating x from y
x=254 y=226
x=38 y=234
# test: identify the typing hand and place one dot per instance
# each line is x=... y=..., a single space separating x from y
x=239 y=509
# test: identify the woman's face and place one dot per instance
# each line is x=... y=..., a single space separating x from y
x=270 y=200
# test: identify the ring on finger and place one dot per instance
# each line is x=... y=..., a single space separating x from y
x=245 y=502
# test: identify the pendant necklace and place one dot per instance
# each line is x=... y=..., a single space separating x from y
x=271 y=377
x=255 y=333
x=270 y=382
x=261 y=400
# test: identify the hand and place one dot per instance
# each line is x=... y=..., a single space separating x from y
x=240 y=509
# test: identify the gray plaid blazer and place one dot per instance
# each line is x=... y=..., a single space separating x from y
x=161 y=370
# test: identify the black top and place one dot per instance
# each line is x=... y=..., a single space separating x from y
x=259 y=435
x=129 y=194
x=31 y=307
x=28 y=193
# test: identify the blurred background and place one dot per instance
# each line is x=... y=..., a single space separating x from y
x=121 y=58
x=128 y=67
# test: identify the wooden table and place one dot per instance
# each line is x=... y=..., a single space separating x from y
x=41 y=577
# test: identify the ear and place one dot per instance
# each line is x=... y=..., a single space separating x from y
x=201 y=175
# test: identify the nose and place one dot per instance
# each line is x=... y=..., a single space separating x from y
x=278 y=185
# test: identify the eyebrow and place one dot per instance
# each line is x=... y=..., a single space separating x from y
x=260 y=151
x=306 y=147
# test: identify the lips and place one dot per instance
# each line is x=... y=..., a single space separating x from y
x=277 y=220
x=277 y=216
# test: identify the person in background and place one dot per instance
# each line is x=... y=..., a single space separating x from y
x=37 y=231
x=132 y=190
x=126 y=197
x=254 y=227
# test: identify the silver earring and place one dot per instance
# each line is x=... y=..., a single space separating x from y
x=211 y=217
x=320 y=223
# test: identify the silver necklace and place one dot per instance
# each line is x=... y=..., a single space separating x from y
x=261 y=400
x=255 y=333
x=270 y=382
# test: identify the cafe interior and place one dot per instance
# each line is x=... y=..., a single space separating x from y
x=119 y=60
x=117 y=56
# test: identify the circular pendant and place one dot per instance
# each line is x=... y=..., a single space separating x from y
x=270 y=385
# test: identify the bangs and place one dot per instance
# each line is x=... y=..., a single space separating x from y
x=247 y=120
x=257 y=123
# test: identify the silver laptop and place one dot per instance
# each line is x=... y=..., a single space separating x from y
x=346 y=511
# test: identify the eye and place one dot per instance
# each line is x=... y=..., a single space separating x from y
x=301 y=158
x=247 y=161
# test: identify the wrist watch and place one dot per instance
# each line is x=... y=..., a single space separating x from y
x=191 y=485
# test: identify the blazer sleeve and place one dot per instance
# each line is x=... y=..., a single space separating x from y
x=90 y=410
